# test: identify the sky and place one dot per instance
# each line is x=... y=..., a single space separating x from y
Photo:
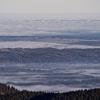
x=49 y=6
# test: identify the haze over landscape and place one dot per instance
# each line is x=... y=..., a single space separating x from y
x=50 y=45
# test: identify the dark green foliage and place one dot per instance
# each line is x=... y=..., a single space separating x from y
x=10 y=93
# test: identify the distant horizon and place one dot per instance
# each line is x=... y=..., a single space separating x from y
x=49 y=24
x=51 y=14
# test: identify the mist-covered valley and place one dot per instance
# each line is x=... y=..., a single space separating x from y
x=50 y=54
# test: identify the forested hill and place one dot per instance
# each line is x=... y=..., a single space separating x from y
x=10 y=93
x=22 y=55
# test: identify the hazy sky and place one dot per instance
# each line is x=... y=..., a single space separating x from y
x=49 y=6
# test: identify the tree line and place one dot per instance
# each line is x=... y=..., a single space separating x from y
x=10 y=93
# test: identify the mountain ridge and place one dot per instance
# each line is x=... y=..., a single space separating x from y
x=27 y=55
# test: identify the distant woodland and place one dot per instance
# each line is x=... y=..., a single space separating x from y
x=19 y=55
x=10 y=93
